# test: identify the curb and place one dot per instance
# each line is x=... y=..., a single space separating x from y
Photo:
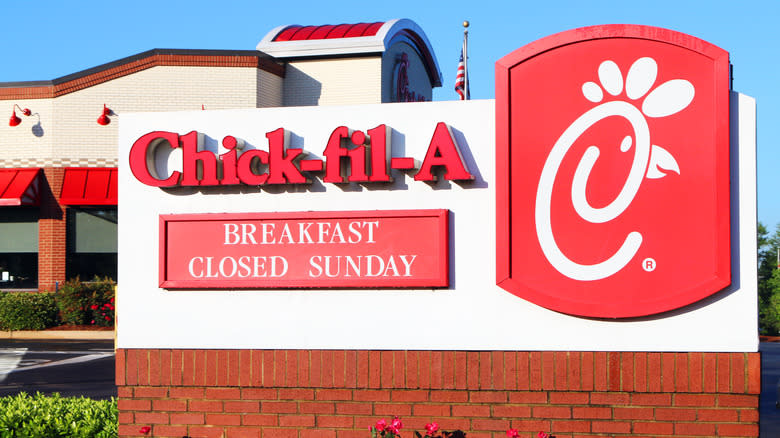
x=60 y=334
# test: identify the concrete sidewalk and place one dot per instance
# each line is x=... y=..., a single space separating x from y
x=60 y=334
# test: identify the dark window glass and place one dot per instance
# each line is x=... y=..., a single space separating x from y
x=92 y=243
x=18 y=248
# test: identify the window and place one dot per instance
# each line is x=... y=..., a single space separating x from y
x=92 y=243
x=18 y=248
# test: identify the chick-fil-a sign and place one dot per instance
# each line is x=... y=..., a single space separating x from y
x=351 y=249
x=613 y=171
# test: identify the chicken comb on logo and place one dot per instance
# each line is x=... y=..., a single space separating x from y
x=613 y=171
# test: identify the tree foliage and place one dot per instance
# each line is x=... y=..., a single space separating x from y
x=768 y=281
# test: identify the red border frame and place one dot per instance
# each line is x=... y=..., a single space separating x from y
x=722 y=275
x=440 y=281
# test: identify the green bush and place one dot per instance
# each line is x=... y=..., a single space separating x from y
x=27 y=311
x=56 y=416
x=87 y=303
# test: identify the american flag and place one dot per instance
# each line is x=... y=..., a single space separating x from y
x=460 y=78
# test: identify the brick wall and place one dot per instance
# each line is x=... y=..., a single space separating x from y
x=339 y=394
x=52 y=231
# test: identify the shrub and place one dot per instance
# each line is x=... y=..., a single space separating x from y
x=87 y=303
x=27 y=311
x=56 y=416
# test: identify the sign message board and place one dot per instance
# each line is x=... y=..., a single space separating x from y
x=354 y=249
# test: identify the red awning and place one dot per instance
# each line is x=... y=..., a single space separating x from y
x=19 y=187
x=89 y=186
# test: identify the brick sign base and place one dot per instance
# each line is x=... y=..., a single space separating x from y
x=340 y=393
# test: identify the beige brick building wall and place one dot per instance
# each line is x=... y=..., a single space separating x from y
x=333 y=81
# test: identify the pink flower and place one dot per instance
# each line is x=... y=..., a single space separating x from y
x=93 y=307
x=431 y=428
x=381 y=425
x=144 y=430
x=396 y=425
x=512 y=433
x=542 y=435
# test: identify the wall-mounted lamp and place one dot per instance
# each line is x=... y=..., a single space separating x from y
x=103 y=119
x=15 y=120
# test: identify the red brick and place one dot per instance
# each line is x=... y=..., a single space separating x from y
x=523 y=371
x=694 y=400
x=675 y=414
x=429 y=410
x=205 y=432
x=600 y=371
x=223 y=419
x=272 y=407
x=371 y=395
x=613 y=371
x=199 y=373
x=487 y=396
x=294 y=394
x=748 y=415
x=575 y=368
x=279 y=433
x=169 y=405
x=296 y=420
x=710 y=372
x=223 y=393
x=632 y=413
x=681 y=372
x=538 y=397
x=570 y=426
x=640 y=372
x=245 y=368
x=233 y=368
x=412 y=371
x=280 y=367
x=724 y=373
x=317 y=433
x=448 y=423
x=477 y=411
x=695 y=372
x=654 y=372
x=530 y=426
x=501 y=411
x=754 y=373
x=496 y=425
x=131 y=367
x=402 y=410
x=510 y=370
x=124 y=392
x=551 y=412
x=485 y=370
x=317 y=408
x=213 y=368
x=333 y=394
x=386 y=376
x=651 y=399
x=461 y=365
x=120 y=359
x=747 y=401
x=609 y=398
x=738 y=373
x=242 y=406
x=548 y=370
x=410 y=396
x=304 y=368
x=668 y=362
x=165 y=430
x=374 y=369
x=350 y=369
x=718 y=415
x=187 y=418
x=446 y=370
x=697 y=429
x=350 y=433
x=610 y=427
x=737 y=429
x=151 y=417
x=327 y=369
x=243 y=432
x=260 y=420
x=268 y=368
x=150 y=392
x=569 y=398
x=177 y=367
x=654 y=428
x=256 y=357
x=449 y=396
x=205 y=406
x=134 y=405
x=186 y=392
x=291 y=371
x=560 y=377
x=591 y=412
x=400 y=371
x=258 y=394
x=335 y=421
x=353 y=408
x=125 y=418
x=472 y=370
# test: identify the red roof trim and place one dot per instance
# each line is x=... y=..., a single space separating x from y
x=89 y=186
x=19 y=187
x=328 y=31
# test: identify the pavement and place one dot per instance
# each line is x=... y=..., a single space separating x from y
x=60 y=334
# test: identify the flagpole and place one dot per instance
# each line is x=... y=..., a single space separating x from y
x=466 y=59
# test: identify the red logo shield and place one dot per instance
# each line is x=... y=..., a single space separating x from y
x=613 y=171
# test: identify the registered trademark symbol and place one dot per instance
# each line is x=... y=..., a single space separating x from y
x=648 y=264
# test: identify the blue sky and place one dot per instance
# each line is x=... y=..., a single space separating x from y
x=47 y=39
